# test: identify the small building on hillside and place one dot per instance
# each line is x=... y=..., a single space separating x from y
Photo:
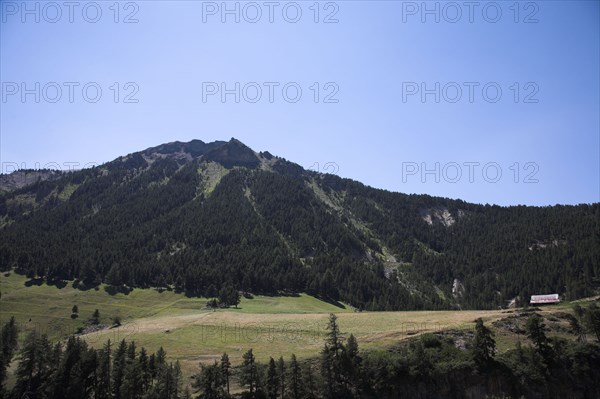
x=542 y=299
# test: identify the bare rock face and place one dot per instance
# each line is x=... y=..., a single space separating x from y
x=440 y=215
x=458 y=288
x=21 y=178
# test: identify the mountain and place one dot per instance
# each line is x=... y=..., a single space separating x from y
x=199 y=216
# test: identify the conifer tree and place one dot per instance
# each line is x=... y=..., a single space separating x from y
x=272 y=380
x=331 y=358
x=34 y=365
x=536 y=331
x=294 y=378
x=118 y=369
x=248 y=372
x=104 y=372
x=144 y=369
x=226 y=369
x=484 y=346
x=8 y=346
x=281 y=375
x=209 y=382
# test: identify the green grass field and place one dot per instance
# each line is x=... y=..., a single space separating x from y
x=272 y=326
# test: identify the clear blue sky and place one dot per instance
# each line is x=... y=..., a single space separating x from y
x=377 y=56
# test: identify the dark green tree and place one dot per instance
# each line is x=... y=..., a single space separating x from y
x=95 y=317
x=351 y=363
x=209 y=383
x=281 y=375
x=294 y=378
x=229 y=296
x=74 y=312
x=211 y=291
x=118 y=369
x=272 y=380
x=331 y=357
x=484 y=345
x=577 y=328
x=309 y=383
x=104 y=372
x=132 y=386
x=34 y=367
x=592 y=320
x=248 y=372
x=226 y=369
x=536 y=331
x=144 y=369
x=8 y=346
x=177 y=386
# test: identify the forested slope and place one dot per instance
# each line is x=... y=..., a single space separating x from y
x=198 y=216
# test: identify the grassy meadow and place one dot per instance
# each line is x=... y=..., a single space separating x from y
x=272 y=326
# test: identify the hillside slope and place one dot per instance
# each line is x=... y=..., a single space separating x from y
x=200 y=216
